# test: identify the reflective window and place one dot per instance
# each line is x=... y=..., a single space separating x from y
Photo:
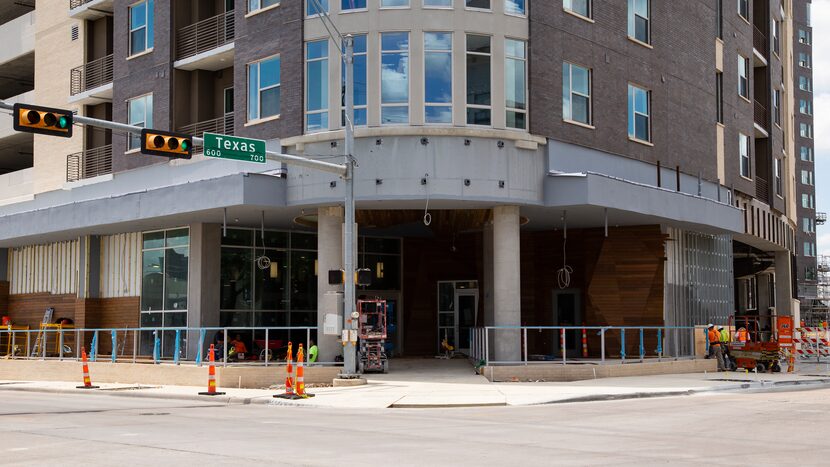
x=359 y=95
x=576 y=93
x=743 y=9
x=580 y=7
x=776 y=106
x=779 y=188
x=482 y=4
x=776 y=37
x=139 y=113
x=804 y=37
x=317 y=86
x=743 y=76
x=805 y=130
x=394 y=3
x=394 y=78
x=254 y=5
x=164 y=266
x=639 y=26
x=743 y=151
x=807 y=177
x=515 y=83
x=804 y=84
x=804 y=60
x=264 y=88
x=806 y=153
x=515 y=7
x=314 y=7
x=141 y=27
x=639 y=113
x=352 y=5
x=438 y=3
x=478 y=80
x=438 y=77
x=805 y=106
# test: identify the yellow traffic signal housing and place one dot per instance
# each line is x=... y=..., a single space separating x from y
x=42 y=120
x=166 y=143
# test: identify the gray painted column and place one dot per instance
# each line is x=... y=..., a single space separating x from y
x=203 y=283
x=487 y=290
x=93 y=267
x=506 y=282
x=329 y=297
x=783 y=286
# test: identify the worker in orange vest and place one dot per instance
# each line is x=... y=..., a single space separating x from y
x=715 y=346
x=742 y=334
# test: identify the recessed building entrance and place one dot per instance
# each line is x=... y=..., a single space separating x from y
x=457 y=312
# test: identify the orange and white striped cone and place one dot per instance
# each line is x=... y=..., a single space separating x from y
x=87 y=380
x=584 y=343
x=211 y=376
x=289 y=380
x=300 y=380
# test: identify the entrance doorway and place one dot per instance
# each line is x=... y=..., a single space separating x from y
x=457 y=313
x=567 y=311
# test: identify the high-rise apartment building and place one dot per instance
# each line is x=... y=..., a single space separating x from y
x=520 y=162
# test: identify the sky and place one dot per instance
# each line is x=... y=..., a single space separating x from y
x=821 y=110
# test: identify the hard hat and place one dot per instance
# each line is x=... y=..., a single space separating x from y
x=710 y=325
x=720 y=328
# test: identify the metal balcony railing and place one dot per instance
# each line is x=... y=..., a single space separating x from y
x=205 y=35
x=761 y=115
x=762 y=189
x=77 y=3
x=759 y=42
x=89 y=163
x=222 y=125
x=90 y=75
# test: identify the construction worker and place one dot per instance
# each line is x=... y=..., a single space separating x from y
x=715 y=346
x=742 y=334
x=312 y=351
x=724 y=335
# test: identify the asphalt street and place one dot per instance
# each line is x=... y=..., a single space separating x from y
x=724 y=429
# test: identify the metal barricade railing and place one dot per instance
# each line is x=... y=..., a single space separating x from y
x=523 y=345
x=177 y=345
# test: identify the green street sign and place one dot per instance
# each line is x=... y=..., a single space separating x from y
x=232 y=147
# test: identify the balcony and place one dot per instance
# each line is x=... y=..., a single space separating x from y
x=89 y=163
x=222 y=125
x=760 y=46
x=90 y=9
x=761 y=189
x=91 y=82
x=761 y=117
x=206 y=45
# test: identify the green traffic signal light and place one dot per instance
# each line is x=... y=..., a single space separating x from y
x=184 y=144
x=62 y=122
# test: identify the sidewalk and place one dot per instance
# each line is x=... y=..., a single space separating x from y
x=455 y=385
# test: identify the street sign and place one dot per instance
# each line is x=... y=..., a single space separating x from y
x=232 y=147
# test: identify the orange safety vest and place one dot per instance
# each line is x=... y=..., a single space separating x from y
x=714 y=337
x=742 y=335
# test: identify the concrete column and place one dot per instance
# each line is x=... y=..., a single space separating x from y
x=329 y=297
x=783 y=286
x=487 y=289
x=203 y=283
x=506 y=282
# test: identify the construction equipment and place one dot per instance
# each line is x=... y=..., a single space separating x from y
x=372 y=334
x=39 y=340
x=11 y=342
x=755 y=347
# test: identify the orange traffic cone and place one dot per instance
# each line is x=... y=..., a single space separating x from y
x=87 y=380
x=300 y=382
x=211 y=377
x=289 y=380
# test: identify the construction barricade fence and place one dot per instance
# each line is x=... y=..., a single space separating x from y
x=232 y=345
x=512 y=345
x=812 y=343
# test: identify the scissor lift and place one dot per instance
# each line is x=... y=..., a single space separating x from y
x=372 y=333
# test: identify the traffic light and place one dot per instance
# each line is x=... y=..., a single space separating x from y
x=43 y=120
x=166 y=143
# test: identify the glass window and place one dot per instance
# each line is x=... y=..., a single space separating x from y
x=264 y=88
x=478 y=80
x=311 y=8
x=438 y=77
x=515 y=7
x=438 y=3
x=804 y=84
x=719 y=19
x=743 y=149
x=352 y=5
x=152 y=280
x=164 y=265
x=743 y=76
x=806 y=153
x=394 y=94
x=394 y=3
x=805 y=106
x=359 y=70
x=806 y=130
x=807 y=177
x=743 y=9
x=776 y=106
x=317 y=86
x=576 y=93
x=254 y=5
x=141 y=27
x=303 y=280
x=804 y=60
x=779 y=189
x=580 y=7
x=482 y=4
x=139 y=113
x=515 y=83
x=804 y=37
x=639 y=113
x=638 y=20
x=776 y=41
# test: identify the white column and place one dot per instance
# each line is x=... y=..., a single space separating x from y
x=329 y=256
x=506 y=282
x=487 y=289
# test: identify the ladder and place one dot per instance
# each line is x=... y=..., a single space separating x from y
x=41 y=335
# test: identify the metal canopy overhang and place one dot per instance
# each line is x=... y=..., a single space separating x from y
x=111 y=210
x=586 y=196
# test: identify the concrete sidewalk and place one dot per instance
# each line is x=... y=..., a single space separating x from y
x=454 y=384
